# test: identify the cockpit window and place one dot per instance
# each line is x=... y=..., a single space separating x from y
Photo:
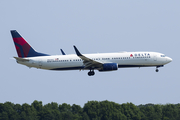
x=163 y=56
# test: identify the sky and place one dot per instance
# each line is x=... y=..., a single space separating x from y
x=101 y=26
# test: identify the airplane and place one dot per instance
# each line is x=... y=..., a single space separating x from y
x=99 y=61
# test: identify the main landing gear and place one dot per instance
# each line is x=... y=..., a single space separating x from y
x=91 y=73
x=157 y=70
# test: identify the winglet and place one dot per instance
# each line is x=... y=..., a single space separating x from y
x=77 y=51
x=62 y=52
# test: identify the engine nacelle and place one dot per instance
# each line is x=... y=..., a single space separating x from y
x=109 y=67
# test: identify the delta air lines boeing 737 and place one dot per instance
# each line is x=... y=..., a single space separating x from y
x=100 y=61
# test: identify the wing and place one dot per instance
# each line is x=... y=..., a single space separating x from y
x=88 y=63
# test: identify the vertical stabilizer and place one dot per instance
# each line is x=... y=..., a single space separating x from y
x=22 y=47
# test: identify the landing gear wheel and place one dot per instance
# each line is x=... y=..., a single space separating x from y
x=157 y=70
x=91 y=73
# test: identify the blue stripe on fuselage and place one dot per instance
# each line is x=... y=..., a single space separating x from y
x=69 y=68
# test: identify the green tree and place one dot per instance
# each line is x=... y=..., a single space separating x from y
x=67 y=115
x=91 y=108
x=46 y=114
x=66 y=111
x=85 y=116
x=131 y=111
x=157 y=112
x=37 y=105
x=52 y=111
x=170 y=111
x=178 y=111
x=9 y=108
x=77 y=112
x=65 y=107
x=4 y=116
x=30 y=112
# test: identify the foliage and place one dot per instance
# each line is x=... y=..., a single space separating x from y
x=92 y=110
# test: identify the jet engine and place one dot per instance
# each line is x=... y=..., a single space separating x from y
x=109 y=67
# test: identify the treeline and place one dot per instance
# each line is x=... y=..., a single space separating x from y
x=92 y=110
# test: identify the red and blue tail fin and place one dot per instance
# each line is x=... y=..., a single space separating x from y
x=22 y=47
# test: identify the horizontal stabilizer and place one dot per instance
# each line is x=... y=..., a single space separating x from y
x=63 y=53
x=21 y=59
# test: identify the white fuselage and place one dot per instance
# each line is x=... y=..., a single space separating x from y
x=73 y=62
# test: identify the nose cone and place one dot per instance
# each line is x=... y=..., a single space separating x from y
x=168 y=59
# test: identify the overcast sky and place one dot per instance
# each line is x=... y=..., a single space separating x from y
x=94 y=26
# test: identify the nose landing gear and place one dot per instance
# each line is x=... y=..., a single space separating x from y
x=157 y=70
x=91 y=72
